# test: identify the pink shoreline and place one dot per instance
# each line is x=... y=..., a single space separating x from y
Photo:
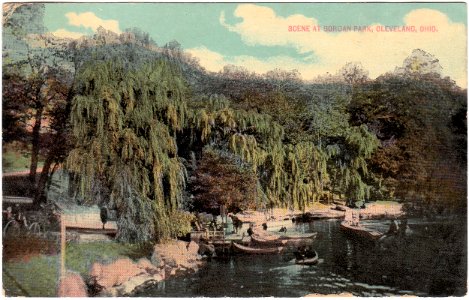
x=19 y=173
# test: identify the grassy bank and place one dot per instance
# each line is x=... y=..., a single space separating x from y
x=14 y=160
x=38 y=276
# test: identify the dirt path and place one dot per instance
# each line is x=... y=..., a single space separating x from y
x=20 y=173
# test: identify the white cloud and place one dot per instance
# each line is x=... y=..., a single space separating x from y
x=214 y=62
x=210 y=60
x=63 y=33
x=90 y=20
x=379 y=52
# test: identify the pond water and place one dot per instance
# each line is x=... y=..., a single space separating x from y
x=430 y=261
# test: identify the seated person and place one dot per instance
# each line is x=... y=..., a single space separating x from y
x=301 y=253
x=309 y=252
x=250 y=231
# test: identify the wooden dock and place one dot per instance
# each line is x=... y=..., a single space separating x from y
x=17 y=200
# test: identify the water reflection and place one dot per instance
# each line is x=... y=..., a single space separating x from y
x=431 y=261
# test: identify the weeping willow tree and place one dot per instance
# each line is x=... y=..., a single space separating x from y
x=125 y=121
x=307 y=173
x=349 y=159
x=127 y=118
x=288 y=175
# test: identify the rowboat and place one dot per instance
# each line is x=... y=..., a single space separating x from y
x=361 y=231
x=306 y=256
x=307 y=261
x=273 y=225
x=283 y=240
x=300 y=236
x=249 y=250
x=278 y=241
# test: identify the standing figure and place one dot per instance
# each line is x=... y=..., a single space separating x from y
x=237 y=223
x=229 y=225
x=403 y=227
x=392 y=228
x=348 y=216
x=104 y=215
x=9 y=214
x=355 y=218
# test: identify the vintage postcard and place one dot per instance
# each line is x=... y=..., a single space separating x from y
x=234 y=149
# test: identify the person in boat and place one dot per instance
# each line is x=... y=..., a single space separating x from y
x=300 y=254
x=309 y=252
x=250 y=231
x=283 y=229
x=392 y=228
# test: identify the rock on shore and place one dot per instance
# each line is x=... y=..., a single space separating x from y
x=71 y=285
x=124 y=276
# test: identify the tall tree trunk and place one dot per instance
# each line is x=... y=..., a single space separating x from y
x=55 y=152
x=35 y=143
x=41 y=185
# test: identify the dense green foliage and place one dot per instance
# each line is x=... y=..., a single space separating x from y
x=125 y=121
x=150 y=128
x=421 y=123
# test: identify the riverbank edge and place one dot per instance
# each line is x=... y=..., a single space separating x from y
x=373 y=211
x=125 y=277
x=178 y=258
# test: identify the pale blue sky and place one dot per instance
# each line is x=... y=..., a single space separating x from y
x=198 y=26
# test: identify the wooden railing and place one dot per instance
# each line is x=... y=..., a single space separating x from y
x=208 y=234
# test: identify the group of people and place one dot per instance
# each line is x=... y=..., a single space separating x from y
x=352 y=217
x=231 y=224
x=250 y=230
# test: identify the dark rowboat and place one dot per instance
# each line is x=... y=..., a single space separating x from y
x=305 y=256
x=307 y=261
x=361 y=231
x=249 y=250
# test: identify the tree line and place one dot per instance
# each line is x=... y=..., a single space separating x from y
x=147 y=131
